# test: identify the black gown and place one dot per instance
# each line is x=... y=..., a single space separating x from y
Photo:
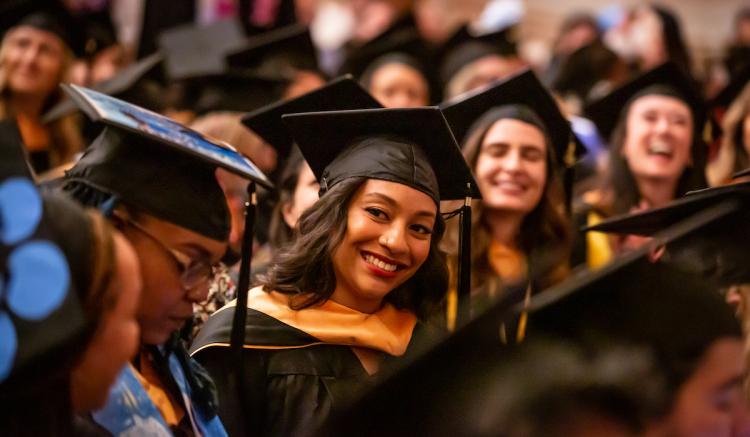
x=292 y=381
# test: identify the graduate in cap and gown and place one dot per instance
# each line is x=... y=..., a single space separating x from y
x=522 y=150
x=156 y=180
x=678 y=370
x=343 y=301
x=655 y=128
x=40 y=40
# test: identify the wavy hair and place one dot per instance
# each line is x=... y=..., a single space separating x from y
x=304 y=268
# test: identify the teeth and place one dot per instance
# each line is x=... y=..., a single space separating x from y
x=660 y=148
x=510 y=185
x=380 y=263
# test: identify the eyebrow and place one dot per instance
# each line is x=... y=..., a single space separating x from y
x=394 y=204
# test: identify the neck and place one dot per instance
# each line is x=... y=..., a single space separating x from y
x=27 y=105
x=656 y=192
x=345 y=298
x=505 y=226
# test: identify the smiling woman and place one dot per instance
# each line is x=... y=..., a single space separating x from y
x=35 y=56
x=345 y=298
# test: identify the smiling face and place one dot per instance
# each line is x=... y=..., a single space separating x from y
x=165 y=303
x=659 y=133
x=33 y=60
x=511 y=167
x=387 y=239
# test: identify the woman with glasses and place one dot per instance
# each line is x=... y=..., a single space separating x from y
x=170 y=207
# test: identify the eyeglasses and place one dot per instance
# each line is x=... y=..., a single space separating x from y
x=193 y=272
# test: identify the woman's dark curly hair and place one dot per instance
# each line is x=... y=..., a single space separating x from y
x=304 y=269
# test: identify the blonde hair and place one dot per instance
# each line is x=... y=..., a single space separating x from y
x=65 y=135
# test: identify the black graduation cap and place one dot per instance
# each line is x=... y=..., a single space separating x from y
x=672 y=315
x=130 y=84
x=48 y=15
x=666 y=79
x=462 y=112
x=714 y=246
x=197 y=51
x=400 y=39
x=325 y=139
x=464 y=47
x=237 y=91
x=726 y=96
x=42 y=253
x=342 y=93
x=279 y=49
x=151 y=162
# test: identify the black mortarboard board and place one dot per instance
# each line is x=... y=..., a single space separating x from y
x=153 y=163
x=48 y=15
x=726 y=96
x=325 y=139
x=196 y=51
x=236 y=91
x=631 y=301
x=462 y=112
x=100 y=31
x=125 y=85
x=287 y=47
x=404 y=40
x=666 y=79
x=340 y=94
x=463 y=48
x=714 y=246
x=42 y=262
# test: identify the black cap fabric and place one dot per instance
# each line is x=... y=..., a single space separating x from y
x=463 y=48
x=340 y=94
x=524 y=89
x=670 y=316
x=431 y=162
x=197 y=51
x=287 y=47
x=236 y=91
x=48 y=15
x=666 y=79
x=708 y=231
x=153 y=163
x=127 y=85
x=43 y=259
x=404 y=40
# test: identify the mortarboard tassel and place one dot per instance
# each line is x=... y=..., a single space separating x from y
x=237 y=336
x=464 y=261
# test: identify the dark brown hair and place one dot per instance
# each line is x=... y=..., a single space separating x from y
x=620 y=189
x=304 y=269
x=545 y=237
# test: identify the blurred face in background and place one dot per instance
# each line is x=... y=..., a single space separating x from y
x=304 y=196
x=33 y=61
x=397 y=85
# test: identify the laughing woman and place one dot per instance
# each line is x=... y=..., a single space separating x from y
x=342 y=302
x=655 y=125
x=521 y=237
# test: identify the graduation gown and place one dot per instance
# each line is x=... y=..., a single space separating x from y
x=299 y=366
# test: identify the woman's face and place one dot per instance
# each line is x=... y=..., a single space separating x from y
x=165 y=303
x=511 y=167
x=658 y=137
x=305 y=195
x=387 y=239
x=710 y=402
x=33 y=61
x=116 y=339
x=398 y=85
